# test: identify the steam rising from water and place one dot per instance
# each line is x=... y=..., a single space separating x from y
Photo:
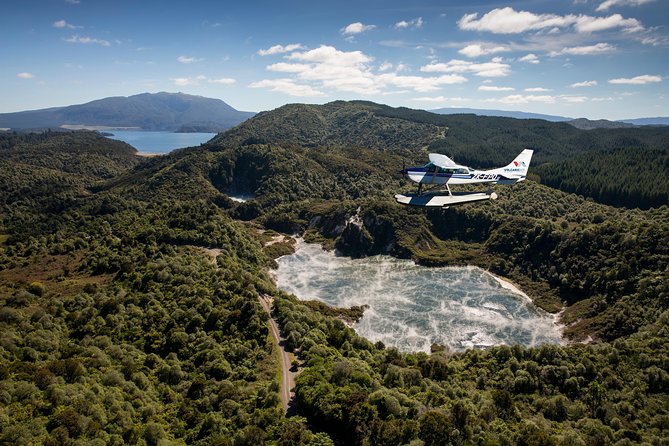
x=411 y=306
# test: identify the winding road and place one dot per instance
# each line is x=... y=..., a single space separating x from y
x=285 y=357
x=287 y=376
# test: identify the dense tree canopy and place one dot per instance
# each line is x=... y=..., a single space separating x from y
x=116 y=328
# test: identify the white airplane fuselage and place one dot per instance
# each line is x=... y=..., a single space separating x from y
x=430 y=174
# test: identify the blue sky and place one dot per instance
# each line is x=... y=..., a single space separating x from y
x=580 y=58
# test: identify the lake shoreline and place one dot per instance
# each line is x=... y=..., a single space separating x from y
x=411 y=307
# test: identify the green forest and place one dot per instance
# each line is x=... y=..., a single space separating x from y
x=118 y=328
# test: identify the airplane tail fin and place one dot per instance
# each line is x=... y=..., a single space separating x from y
x=519 y=166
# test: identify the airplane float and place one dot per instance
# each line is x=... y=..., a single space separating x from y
x=442 y=171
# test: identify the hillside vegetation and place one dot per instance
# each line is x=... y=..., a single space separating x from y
x=117 y=329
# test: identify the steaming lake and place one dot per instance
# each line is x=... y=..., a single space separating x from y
x=412 y=306
x=159 y=142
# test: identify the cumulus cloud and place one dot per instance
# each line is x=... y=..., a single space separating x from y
x=64 y=24
x=326 y=67
x=188 y=59
x=537 y=89
x=494 y=68
x=509 y=21
x=25 y=75
x=584 y=84
x=589 y=50
x=530 y=58
x=222 y=81
x=637 y=80
x=494 y=88
x=356 y=28
x=610 y=3
x=477 y=50
x=278 y=49
x=404 y=24
x=287 y=86
x=87 y=40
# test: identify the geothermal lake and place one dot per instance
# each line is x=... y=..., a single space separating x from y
x=412 y=306
x=148 y=142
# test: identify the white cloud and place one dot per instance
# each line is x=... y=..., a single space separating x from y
x=343 y=70
x=609 y=3
x=477 y=50
x=509 y=21
x=440 y=99
x=638 y=80
x=385 y=66
x=419 y=83
x=530 y=58
x=588 y=24
x=277 y=49
x=574 y=99
x=287 y=86
x=494 y=88
x=655 y=40
x=525 y=99
x=537 y=89
x=87 y=40
x=415 y=23
x=349 y=71
x=73 y=2
x=356 y=28
x=64 y=24
x=188 y=59
x=284 y=67
x=188 y=81
x=222 y=81
x=589 y=50
x=25 y=75
x=584 y=84
x=494 y=68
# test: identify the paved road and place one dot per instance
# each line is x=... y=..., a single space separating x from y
x=287 y=376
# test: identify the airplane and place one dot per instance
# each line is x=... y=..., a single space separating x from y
x=442 y=171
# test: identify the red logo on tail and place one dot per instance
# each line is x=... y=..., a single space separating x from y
x=515 y=163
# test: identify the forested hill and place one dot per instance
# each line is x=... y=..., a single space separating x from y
x=117 y=328
x=148 y=111
x=637 y=176
x=339 y=124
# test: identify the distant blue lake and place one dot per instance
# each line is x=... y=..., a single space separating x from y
x=159 y=142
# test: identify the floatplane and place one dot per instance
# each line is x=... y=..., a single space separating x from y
x=442 y=172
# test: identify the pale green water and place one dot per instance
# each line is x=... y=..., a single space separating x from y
x=160 y=142
x=411 y=306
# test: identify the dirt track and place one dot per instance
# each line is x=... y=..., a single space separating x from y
x=287 y=376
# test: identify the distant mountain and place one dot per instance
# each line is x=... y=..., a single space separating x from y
x=588 y=124
x=501 y=113
x=148 y=111
x=660 y=120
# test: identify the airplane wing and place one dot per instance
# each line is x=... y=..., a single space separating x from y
x=440 y=160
